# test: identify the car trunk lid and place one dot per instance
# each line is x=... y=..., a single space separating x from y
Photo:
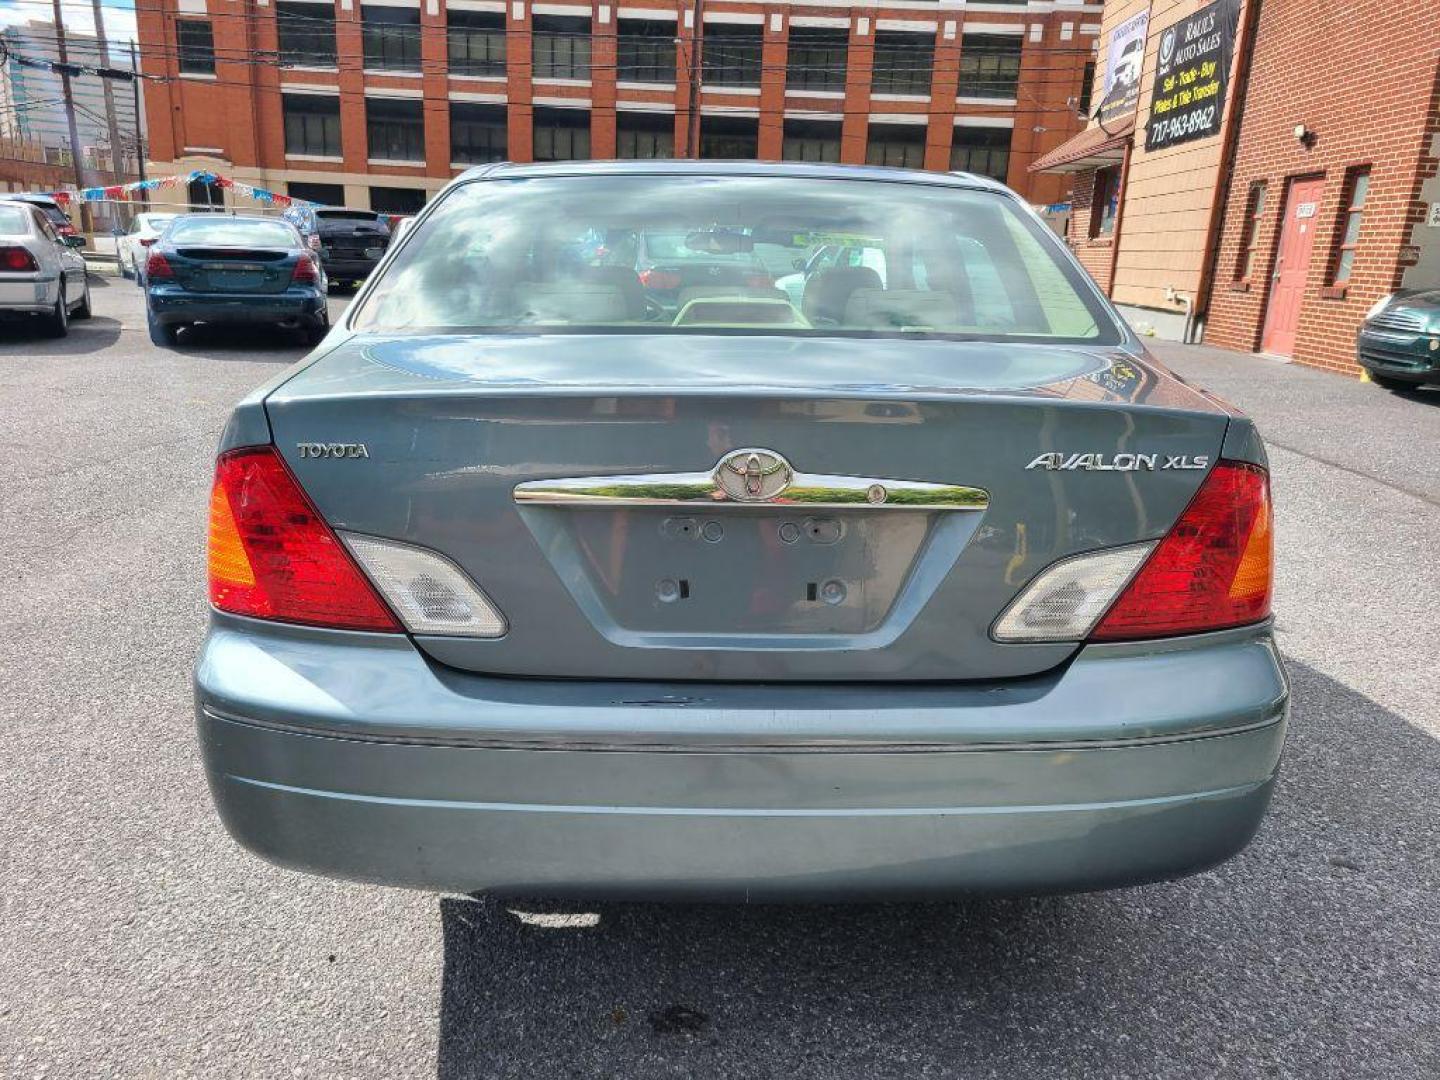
x=232 y=270
x=519 y=457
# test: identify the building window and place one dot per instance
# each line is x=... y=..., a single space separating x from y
x=195 y=46
x=561 y=48
x=562 y=134
x=644 y=135
x=395 y=129
x=312 y=124
x=477 y=132
x=1105 y=201
x=811 y=140
x=730 y=54
x=990 y=65
x=204 y=195
x=397 y=200
x=325 y=194
x=1254 y=212
x=1357 y=186
x=645 y=51
x=903 y=63
x=901 y=145
x=730 y=138
x=1087 y=88
x=307 y=34
x=817 y=58
x=476 y=42
x=984 y=151
x=391 y=37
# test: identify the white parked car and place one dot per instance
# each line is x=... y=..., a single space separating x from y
x=41 y=273
x=144 y=231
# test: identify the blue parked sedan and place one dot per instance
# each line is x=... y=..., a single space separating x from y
x=206 y=268
x=919 y=583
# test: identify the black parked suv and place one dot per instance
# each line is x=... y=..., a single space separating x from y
x=351 y=242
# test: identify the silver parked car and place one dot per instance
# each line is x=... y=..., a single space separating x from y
x=936 y=583
x=42 y=275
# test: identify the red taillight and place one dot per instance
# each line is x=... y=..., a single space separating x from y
x=660 y=279
x=17 y=260
x=157 y=267
x=305 y=272
x=272 y=556
x=146 y=241
x=1213 y=569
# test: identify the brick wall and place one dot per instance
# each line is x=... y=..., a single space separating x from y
x=1097 y=255
x=232 y=122
x=1362 y=77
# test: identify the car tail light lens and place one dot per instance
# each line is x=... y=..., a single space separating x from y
x=157 y=267
x=430 y=593
x=1211 y=571
x=146 y=241
x=17 y=260
x=305 y=272
x=660 y=279
x=272 y=556
x=1067 y=599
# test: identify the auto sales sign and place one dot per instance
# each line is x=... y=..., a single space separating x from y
x=1192 y=67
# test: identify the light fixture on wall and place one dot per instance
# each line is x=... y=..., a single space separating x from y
x=1304 y=136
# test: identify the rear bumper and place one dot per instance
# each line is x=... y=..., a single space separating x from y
x=344 y=268
x=350 y=755
x=299 y=305
x=33 y=295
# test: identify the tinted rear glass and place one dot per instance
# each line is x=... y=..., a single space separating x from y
x=582 y=253
x=345 y=215
x=229 y=232
x=14 y=219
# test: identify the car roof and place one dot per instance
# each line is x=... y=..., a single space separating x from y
x=797 y=169
x=31 y=197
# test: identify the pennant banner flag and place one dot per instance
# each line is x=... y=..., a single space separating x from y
x=121 y=192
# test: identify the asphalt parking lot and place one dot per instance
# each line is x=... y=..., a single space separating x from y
x=137 y=941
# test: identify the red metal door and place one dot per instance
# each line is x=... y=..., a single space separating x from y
x=1292 y=264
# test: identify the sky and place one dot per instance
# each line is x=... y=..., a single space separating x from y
x=79 y=16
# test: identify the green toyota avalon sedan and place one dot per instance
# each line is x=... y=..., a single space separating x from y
x=918 y=579
x=1399 y=341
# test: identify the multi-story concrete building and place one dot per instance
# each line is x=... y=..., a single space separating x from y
x=379 y=102
x=35 y=113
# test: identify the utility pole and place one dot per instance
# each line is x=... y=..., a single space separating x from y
x=86 y=225
x=117 y=167
x=692 y=128
x=139 y=129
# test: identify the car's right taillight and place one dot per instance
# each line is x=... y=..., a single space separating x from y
x=272 y=556
x=157 y=267
x=659 y=279
x=17 y=260
x=305 y=272
x=1214 y=568
x=1211 y=571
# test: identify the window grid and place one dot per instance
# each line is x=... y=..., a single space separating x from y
x=561 y=135
x=644 y=135
x=1254 y=212
x=475 y=42
x=903 y=63
x=560 y=48
x=989 y=65
x=645 y=51
x=1105 y=201
x=307 y=34
x=901 y=146
x=312 y=124
x=395 y=130
x=195 y=46
x=983 y=151
x=811 y=140
x=391 y=38
x=478 y=133
x=1357 y=187
x=817 y=59
x=731 y=55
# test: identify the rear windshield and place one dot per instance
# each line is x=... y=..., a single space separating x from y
x=752 y=254
x=230 y=232
x=155 y=221
x=347 y=215
x=14 y=219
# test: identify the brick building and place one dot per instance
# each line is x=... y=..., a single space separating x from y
x=1310 y=192
x=379 y=102
x=1360 y=141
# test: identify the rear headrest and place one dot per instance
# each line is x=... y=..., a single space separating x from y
x=877 y=309
x=570 y=301
x=826 y=292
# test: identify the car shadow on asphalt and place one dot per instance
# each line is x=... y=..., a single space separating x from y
x=91 y=335
x=1311 y=954
x=248 y=343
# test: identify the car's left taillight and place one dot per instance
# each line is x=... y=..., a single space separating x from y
x=272 y=556
x=305 y=271
x=17 y=260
